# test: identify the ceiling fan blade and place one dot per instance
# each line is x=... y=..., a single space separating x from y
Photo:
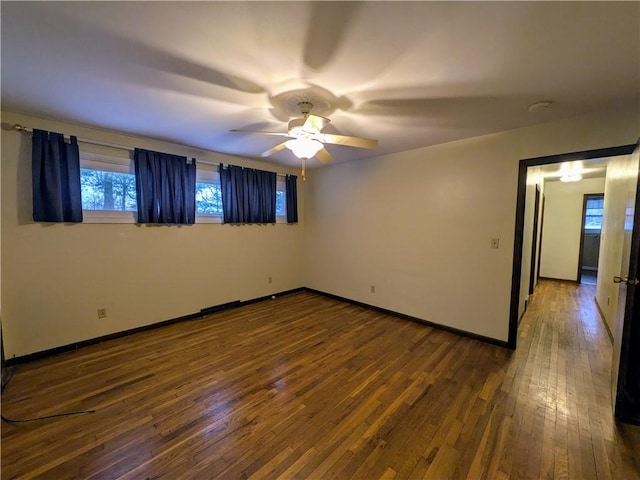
x=324 y=156
x=315 y=122
x=349 y=141
x=280 y=134
x=273 y=150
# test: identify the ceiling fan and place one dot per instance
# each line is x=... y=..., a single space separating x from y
x=307 y=140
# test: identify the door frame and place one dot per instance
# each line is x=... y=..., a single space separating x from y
x=534 y=243
x=540 y=241
x=518 y=242
x=582 y=231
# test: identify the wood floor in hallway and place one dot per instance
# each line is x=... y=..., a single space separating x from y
x=308 y=387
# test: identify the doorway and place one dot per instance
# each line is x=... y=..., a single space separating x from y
x=519 y=236
x=626 y=361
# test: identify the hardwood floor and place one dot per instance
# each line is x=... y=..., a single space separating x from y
x=308 y=387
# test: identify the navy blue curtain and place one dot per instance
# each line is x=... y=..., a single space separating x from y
x=166 y=187
x=291 y=193
x=248 y=195
x=55 y=178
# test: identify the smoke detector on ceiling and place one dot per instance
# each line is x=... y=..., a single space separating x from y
x=540 y=106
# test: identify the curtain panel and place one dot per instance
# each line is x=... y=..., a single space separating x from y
x=292 y=198
x=55 y=178
x=248 y=195
x=165 y=187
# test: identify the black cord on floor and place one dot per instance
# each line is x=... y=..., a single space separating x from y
x=12 y=420
x=22 y=420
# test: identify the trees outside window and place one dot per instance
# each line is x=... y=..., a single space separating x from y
x=102 y=190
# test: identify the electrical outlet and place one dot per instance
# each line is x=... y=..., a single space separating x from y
x=495 y=243
x=270 y=280
x=373 y=289
x=102 y=313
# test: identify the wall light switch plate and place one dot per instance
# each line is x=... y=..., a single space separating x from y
x=495 y=243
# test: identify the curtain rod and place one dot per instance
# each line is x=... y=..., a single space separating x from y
x=23 y=129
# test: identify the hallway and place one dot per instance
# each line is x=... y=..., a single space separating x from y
x=589 y=276
x=568 y=355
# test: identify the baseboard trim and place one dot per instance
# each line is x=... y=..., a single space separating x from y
x=237 y=304
x=92 y=341
x=602 y=317
x=404 y=316
x=564 y=280
x=526 y=305
x=5 y=377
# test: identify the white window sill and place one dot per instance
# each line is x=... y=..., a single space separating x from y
x=110 y=216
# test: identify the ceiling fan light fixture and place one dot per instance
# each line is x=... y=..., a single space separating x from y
x=303 y=148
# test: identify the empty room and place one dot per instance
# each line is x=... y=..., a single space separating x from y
x=315 y=240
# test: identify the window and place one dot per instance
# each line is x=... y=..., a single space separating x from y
x=593 y=212
x=208 y=198
x=103 y=190
x=281 y=202
x=108 y=188
x=208 y=194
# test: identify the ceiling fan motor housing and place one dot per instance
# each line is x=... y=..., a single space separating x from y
x=305 y=107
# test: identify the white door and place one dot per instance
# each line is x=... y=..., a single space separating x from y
x=624 y=366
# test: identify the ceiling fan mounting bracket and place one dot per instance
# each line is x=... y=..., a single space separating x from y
x=291 y=103
x=305 y=107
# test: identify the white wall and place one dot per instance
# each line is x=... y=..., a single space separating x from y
x=418 y=224
x=620 y=185
x=55 y=277
x=563 y=226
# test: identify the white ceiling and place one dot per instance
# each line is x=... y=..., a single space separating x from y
x=409 y=74
x=592 y=168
